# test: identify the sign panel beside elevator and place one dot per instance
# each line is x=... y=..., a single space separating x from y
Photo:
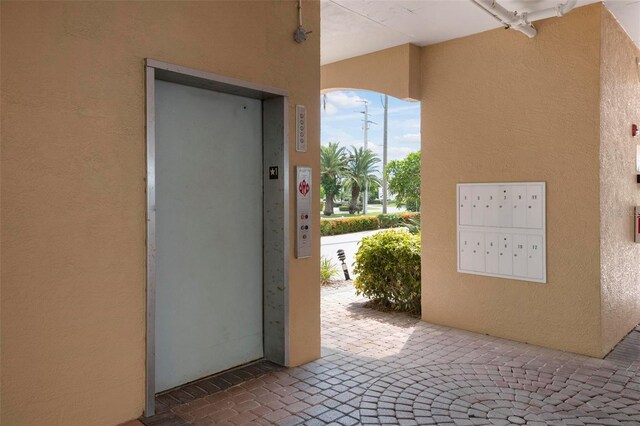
x=303 y=212
x=501 y=230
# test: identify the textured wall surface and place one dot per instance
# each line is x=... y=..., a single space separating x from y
x=394 y=71
x=499 y=107
x=73 y=187
x=620 y=256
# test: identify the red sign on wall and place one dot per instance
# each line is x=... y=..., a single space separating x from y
x=303 y=188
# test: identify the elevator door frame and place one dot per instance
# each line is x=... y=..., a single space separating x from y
x=275 y=208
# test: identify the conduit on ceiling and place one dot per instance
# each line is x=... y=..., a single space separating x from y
x=523 y=22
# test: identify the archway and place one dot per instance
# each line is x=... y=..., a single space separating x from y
x=356 y=125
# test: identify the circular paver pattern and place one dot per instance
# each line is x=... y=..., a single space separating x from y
x=470 y=394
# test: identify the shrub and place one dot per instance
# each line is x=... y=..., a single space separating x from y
x=393 y=220
x=412 y=205
x=413 y=224
x=407 y=216
x=328 y=270
x=346 y=225
x=388 y=268
x=390 y=220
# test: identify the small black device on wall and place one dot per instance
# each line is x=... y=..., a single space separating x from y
x=273 y=172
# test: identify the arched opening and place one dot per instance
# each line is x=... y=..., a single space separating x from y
x=370 y=201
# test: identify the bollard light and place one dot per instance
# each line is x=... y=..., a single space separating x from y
x=345 y=269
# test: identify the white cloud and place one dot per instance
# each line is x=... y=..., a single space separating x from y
x=329 y=108
x=333 y=101
x=408 y=137
x=344 y=99
x=393 y=152
x=413 y=123
x=350 y=117
x=411 y=107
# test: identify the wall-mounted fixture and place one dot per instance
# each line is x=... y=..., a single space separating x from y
x=523 y=22
x=300 y=34
x=634 y=130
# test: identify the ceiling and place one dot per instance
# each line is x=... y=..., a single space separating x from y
x=355 y=27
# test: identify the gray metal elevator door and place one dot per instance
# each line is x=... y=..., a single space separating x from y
x=208 y=232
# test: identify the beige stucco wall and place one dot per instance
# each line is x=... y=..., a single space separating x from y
x=73 y=188
x=499 y=107
x=395 y=71
x=620 y=256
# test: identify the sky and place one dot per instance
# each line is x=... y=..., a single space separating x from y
x=342 y=121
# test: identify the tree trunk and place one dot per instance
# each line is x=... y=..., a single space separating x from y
x=355 y=194
x=328 y=207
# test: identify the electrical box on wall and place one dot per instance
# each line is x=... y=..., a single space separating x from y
x=502 y=230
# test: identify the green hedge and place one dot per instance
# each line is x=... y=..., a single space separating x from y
x=393 y=220
x=347 y=225
x=345 y=208
x=388 y=268
x=364 y=223
x=390 y=220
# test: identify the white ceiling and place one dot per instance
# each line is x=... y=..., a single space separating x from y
x=355 y=27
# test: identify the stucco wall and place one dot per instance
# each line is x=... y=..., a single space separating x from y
x=395 y=71
x=499 y=107
x=73 y=188
x=620 y=256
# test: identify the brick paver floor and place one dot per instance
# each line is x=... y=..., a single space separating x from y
x=391 y=368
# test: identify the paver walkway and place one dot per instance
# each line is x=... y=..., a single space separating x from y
x=391 y=368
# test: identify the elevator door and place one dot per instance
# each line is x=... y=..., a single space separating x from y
x=208 y=232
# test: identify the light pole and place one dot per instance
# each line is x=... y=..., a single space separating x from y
x=365 y=127
x=384 y=157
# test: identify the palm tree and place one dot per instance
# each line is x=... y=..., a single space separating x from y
x=333 y=163
x=360 y=172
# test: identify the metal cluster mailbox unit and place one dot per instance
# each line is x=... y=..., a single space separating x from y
x=502 y=230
